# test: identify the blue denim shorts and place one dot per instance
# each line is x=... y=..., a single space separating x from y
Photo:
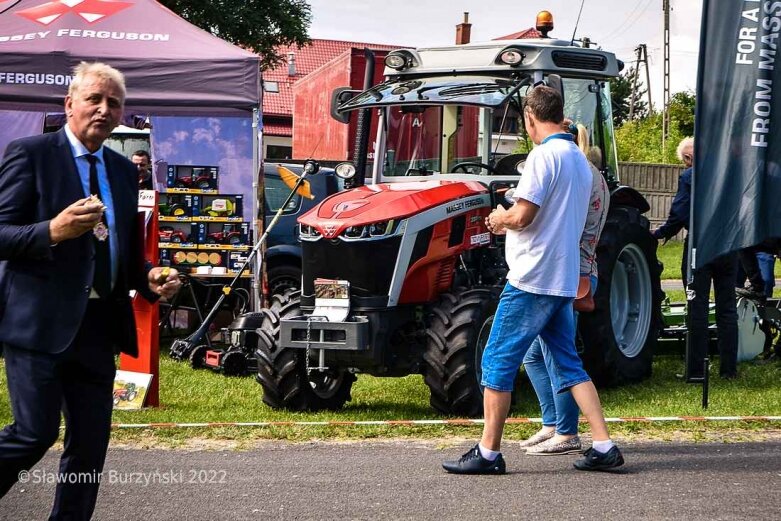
x=520 y=318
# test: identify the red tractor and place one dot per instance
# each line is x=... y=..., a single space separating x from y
x=232 y=237
x=202 y=182
x=415 y=272
x=127 y=393
x=170 y=234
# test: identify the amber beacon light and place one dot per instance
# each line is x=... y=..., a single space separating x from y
x=544 y=23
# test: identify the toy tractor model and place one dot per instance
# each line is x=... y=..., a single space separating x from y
x=169 y=234
x=233 y=237
x=127 y=393
x=202 y=182
x=172 y=208
x=402 y=277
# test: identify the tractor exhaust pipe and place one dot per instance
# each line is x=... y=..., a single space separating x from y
x=363 y=129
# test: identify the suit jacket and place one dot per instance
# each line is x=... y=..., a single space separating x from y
x=43 y=288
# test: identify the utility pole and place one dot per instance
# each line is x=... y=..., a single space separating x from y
x=641 y=54
x=666 y=101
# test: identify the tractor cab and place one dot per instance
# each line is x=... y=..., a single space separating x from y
x=458 y=110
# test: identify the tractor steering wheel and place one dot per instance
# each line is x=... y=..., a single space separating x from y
x=463 y=167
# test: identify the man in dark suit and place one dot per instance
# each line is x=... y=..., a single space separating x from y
x=70 y=252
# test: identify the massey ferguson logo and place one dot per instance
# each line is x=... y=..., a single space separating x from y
x=90 y=10
x=330 y=230
x=348 y=206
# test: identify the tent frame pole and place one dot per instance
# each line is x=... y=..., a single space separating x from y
x=256 y=161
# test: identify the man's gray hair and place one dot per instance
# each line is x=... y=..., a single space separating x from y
x=687 y=142
x=102 y=71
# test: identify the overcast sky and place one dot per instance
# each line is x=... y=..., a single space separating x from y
x=616 y=25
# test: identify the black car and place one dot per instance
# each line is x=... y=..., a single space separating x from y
x=283 y=254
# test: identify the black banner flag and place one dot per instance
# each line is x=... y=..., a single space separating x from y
x=736 y=198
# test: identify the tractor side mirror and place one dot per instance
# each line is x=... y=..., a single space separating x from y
x=339 y=96
x=554 y=82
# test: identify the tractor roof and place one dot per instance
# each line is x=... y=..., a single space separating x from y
x=543 y=54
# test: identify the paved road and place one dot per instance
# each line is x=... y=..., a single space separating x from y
x=403 y=480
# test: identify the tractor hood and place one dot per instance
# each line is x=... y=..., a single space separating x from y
x=382 y=202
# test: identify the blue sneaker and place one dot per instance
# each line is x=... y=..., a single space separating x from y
x=474 y=463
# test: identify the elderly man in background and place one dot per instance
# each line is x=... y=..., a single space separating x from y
x=722 y=271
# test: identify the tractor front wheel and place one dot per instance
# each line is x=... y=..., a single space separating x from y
x=283 y=375
x=456 y=336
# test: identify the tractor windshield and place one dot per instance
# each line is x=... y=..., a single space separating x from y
x=466 y=124
x=431 y=124
x=423 y=141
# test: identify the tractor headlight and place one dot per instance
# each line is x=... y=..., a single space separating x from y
x=400 y=60
x=381 y=229
x=306 y=231
x=355 y=232
x=511 y=57
x=345 y=170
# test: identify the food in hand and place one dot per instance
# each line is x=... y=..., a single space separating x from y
x=164 y=273
x=94 y=199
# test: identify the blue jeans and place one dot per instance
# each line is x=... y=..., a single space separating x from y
x=520 y=318
x=558 y=409
x=766 y=262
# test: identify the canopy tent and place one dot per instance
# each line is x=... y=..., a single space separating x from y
x=171 y=67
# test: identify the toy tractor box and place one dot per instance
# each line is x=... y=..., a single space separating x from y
x=189 y=178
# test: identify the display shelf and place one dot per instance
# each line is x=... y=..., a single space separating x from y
x=204 y=191
x=178 y=245
x=201 y=219
x=224 y=247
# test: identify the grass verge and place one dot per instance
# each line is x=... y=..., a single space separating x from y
x=670 y=255
x=202 y=396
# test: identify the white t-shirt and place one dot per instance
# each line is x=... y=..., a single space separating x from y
x=544 y=257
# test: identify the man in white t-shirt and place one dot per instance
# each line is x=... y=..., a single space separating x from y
x=543 y=230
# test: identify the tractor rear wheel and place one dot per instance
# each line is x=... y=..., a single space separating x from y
x=458 y=330
x=620 y=335
x=282 y=372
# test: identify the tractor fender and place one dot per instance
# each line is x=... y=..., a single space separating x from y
x=628 y=196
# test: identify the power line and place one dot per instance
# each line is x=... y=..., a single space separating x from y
x=632 y=18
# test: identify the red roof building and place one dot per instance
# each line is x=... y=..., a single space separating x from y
x=278 y=102
x=278 y=88
x=526 y=33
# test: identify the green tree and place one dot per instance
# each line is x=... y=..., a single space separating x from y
x=621 y=98
x=640 y=141
x=260 y=25
x=681 y=109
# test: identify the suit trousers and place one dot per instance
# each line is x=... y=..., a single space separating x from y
x=78 y=382
x=722 y=271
